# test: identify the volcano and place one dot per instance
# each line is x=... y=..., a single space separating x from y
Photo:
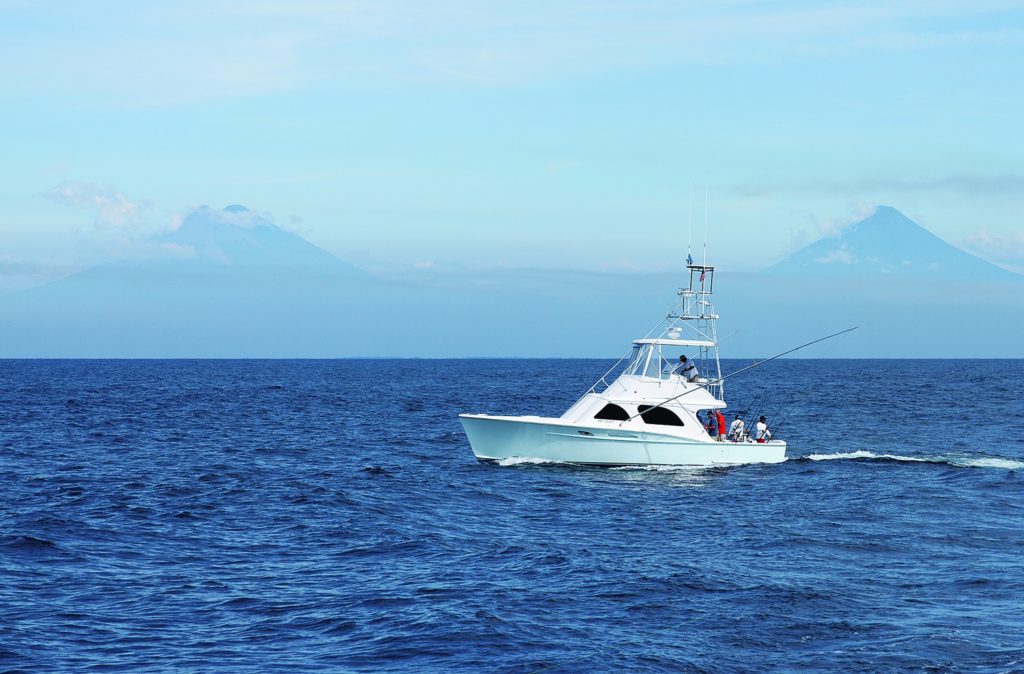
x=887 y=244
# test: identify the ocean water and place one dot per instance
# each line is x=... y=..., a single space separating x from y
x=308 y=516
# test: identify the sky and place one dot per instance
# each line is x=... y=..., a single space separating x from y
x=459 y=135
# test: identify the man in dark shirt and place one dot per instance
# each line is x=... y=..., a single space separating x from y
x=712 y=425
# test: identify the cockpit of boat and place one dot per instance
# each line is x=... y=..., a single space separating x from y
x=659 y=358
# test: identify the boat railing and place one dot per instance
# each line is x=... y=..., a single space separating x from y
x=600 y=386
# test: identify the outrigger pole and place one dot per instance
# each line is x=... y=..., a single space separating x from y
x=707 y=199
x=756 y=363
x=689 y=232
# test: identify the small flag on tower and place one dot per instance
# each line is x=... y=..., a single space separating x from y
x=689 y=259
x=702 y=277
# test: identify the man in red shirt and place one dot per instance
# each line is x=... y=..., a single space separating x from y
x=721 y=425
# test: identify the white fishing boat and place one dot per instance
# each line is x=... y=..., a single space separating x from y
x=648 y=413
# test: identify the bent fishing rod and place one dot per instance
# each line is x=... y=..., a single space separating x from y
x=756 y=363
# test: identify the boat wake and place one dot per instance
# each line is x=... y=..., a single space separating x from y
x=959 y=461
x=666 y=468
x=525 y=461
x=657 y=468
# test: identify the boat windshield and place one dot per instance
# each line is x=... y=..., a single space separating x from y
x=648 y=360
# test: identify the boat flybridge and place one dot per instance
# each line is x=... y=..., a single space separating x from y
x=648 y=414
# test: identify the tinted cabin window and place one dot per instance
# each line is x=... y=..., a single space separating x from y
x=613 y=412
x=659 y=415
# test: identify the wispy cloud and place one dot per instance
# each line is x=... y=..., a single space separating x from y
x=820 y=227
x=964 y=184
x=148 y=57
x=1006 y=249
x=839 y=255
x=14 y=267
x=835 y=226
x=124 y=228
x=464 y=40
x=197 y=51
x=19 y=274
x=113 y=209
x=169 y=249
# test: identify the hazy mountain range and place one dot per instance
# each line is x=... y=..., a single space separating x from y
x=229 y=283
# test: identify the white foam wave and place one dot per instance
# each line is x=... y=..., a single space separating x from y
x=860 y=454
x=988 y=462
x=864 y=454
x=961 y=461
x=525 y=460
x=536 y=461
x=663 y=468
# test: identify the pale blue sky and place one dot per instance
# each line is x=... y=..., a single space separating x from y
x=401 y=135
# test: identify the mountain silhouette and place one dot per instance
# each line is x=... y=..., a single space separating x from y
x=228 y=283
x=887 y=244
x=225 y=282
x=238 y=238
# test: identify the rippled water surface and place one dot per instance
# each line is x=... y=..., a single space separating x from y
x=329 y=516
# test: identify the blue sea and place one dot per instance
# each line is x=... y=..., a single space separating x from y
x=329 y=516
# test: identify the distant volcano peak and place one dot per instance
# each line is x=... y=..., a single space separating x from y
x=887 y=244
x=242 y=238
x=884 y=220
x=234 y=215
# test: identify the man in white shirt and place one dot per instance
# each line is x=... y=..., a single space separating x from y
x=687 y=370
x=736 y=429
x=761 y=432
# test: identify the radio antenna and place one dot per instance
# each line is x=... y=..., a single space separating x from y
x=706 y=200
x=689 y=231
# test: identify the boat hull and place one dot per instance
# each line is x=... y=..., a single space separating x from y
x=495 y=438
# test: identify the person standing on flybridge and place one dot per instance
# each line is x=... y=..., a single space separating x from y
x=687 y=370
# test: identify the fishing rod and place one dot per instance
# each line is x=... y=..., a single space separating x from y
x=731 y=334
x=756 y=363
x=757 y=410
x=782 y=423
x=768 y=418
x=771 y=420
